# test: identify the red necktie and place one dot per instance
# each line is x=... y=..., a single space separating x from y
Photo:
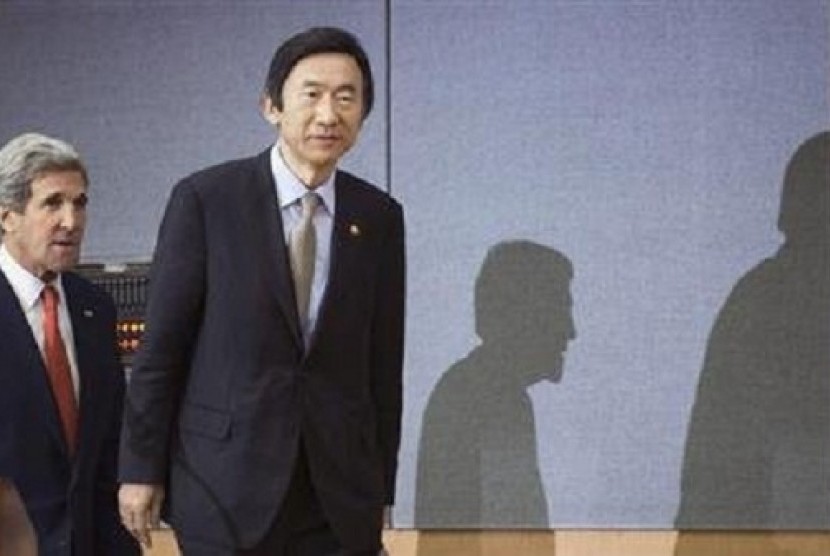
x=57 y=366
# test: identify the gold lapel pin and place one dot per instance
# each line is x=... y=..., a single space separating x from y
x=354 y=230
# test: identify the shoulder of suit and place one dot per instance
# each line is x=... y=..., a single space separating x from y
x=75 y=284
x=228 y=172
x=366 y=191
x=74 y=281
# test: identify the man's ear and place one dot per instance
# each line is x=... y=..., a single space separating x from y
x=6 y=219
x=269 y=110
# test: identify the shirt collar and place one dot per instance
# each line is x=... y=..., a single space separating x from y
x=26 y=285
x=290 y=189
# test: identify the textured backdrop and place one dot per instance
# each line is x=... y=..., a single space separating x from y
x=593 y=191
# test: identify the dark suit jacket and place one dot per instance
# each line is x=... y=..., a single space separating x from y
x=66 y=499
x=222 y=392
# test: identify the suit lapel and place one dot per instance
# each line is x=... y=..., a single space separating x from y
x=275 y=253
x=82 y=315
x=31 y=372
x=349 y=223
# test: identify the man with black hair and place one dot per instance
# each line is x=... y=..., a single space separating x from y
x=264 y=407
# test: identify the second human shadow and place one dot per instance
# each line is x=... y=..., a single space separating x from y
x=477 y=461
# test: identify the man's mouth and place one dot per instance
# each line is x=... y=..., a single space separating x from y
x=65 y=244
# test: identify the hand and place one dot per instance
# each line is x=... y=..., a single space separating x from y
x=140 y=509
x=16 y=533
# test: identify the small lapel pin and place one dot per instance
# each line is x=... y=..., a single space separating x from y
x=354 y=230
x=88 y=313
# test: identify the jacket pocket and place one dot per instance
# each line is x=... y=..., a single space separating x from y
x=205 y=421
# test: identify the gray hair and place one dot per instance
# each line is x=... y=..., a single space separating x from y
x=27 y=157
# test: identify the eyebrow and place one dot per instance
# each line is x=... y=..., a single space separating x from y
x=58 y=195
x=343 y=87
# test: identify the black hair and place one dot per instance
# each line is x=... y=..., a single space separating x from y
x=317 y=40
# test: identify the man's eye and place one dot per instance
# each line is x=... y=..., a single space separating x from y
x=81 y=202
x=52 y=203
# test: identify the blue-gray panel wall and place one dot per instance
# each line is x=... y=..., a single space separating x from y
x=152 y=90
x=646 y=143
x=638 y=146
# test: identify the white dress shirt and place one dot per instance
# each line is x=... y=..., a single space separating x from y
x=289 y=192
x=27 y=287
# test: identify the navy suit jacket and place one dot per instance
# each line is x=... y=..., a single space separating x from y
x=71 y=502
x=222 y=391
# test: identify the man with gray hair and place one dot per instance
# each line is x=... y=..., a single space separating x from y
x=61 y=384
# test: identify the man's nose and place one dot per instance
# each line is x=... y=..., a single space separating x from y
x=71 y=217
x=326 y=113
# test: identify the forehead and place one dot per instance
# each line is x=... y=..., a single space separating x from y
x=63 y=181
x=330 y=69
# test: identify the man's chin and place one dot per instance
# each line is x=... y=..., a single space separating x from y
x=555 y=378
x=556 y=373
x=64 y=264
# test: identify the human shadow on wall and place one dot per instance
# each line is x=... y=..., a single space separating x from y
x=477 y=458
x=758 y=443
